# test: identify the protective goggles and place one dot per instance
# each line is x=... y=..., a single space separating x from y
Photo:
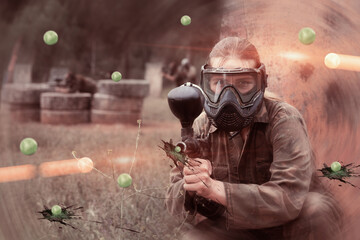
x=247 y=82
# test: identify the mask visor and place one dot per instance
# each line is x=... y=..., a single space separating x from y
x=246 y=84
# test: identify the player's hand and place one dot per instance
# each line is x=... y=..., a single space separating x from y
x=197 y=177
x=198 y=165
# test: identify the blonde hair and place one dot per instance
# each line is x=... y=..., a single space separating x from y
x=235 y=47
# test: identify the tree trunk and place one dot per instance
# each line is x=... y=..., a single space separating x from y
x=127 y=63
x=13 y=59
x=93 y=57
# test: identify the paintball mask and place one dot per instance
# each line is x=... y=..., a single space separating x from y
x=233 y=96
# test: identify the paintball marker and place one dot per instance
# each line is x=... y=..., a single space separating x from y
x=186 y=103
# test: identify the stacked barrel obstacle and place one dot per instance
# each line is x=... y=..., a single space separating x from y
x=119 y=102
x=65 y=108
x=22 y=101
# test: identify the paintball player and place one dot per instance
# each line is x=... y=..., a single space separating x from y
x=76 y=83
x=185 y=72
x=168 y=73
x=256 y=179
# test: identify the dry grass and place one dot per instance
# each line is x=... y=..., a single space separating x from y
x=100 y=196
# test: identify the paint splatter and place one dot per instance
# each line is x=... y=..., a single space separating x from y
x=176 y=156
x=346 y=171
x=66 y=214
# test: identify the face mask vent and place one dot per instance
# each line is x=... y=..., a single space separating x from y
x=230 y=120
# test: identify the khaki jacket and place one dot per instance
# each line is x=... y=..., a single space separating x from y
x=267 y=170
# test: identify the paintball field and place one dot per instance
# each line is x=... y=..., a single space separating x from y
x=93 y=204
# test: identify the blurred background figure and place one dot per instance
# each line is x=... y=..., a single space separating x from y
x=169 y=70
x=76 y=83
x=185 y=72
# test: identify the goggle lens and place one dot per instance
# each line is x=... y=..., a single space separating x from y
x=246 y=84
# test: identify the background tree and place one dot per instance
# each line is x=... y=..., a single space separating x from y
x=97 y=37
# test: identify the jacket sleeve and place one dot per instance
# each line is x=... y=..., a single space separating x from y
x=252 y=206
x=178 y=202
x=175 y=197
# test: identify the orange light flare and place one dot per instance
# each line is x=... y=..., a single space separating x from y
x=46 y=169
x=341 y=61
x=122 y=160
x=293 y=55
x=17 y=173
x=65 y=167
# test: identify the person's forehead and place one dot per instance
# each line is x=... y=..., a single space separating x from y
x=232 y=62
